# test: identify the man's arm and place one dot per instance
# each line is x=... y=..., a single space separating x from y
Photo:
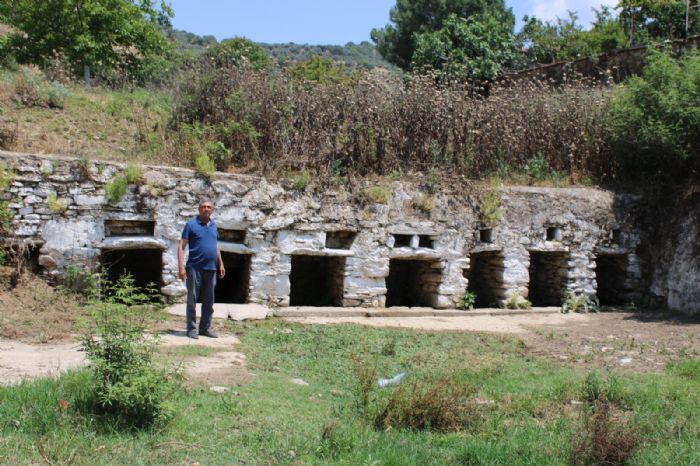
x=182 y=273
x=222 y=270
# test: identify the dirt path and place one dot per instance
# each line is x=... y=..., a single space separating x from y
x=624 y=341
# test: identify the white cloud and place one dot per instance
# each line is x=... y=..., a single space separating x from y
x=550 y=10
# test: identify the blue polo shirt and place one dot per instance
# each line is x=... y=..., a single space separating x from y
x=202 y=241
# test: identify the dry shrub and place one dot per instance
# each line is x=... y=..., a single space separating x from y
x=441 y=406
x=608 y=438
x=365 y=379
x=380 y=124
x=8 y=134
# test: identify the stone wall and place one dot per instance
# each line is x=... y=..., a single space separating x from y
x=273 y=223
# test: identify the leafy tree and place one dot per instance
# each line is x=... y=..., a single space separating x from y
x=655 y=118
x=97 y=35
x=466 y=49
x=565 y=39
x=397 y=42
x=238 y=51
x=649 y=20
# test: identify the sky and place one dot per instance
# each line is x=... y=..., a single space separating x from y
x=334 y=22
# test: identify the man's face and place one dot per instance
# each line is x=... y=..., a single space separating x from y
x=205 y=210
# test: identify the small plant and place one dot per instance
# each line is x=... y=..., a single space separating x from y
x=134 y=174
x=468 y=300
x=3 y=257
x=394 y=175
x=606 y=437
x=6 y=216
x=80 y=281
x=84 y=168
x=365 y=379
x=219 y=154
x=7 y=176
x=515 y=301
x=56 y=205
x=205 y=167
x=538 y=168
x=490 y=211
x=441 y=406
x=425 y=202
x=116 y=189
x=378 y=194
x=300 y=180
x=129 y=386
x=580 y=303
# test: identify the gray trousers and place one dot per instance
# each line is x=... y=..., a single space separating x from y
x=200 y=286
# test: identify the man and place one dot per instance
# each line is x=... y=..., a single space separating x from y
x=201 y=235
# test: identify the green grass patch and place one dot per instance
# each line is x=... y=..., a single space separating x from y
x=524 y=406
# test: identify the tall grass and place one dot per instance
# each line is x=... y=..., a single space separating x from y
x=382 y=124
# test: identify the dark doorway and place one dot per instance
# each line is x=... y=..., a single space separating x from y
x=317 y=281
x=548 y=275
x=412 y=283
x=233 y=288
x=144 y=265
x=611 y=275
x=486 y=278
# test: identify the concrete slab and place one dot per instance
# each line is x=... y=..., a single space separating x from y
x=238 y=312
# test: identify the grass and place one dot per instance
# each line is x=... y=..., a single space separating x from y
x=272 y=421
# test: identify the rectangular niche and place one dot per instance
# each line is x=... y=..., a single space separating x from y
x=340 y=239
x=485 y=277
x=317 y=281
x=144 y=265
x=553 y=234
x=129 y=228
x=233 y=288
x=402 y=241
x=549 y=271
x=611 y=277
x=486 y=235
x=232 y=236
x=412 y=283
x=426 y=241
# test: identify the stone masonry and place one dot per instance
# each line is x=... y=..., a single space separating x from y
x=271 y=223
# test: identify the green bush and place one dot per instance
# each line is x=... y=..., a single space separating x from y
x=30 y=88
x=655 y=119
x=300 y=180
x=468 y=300
x=219 y=154
x=580 y=303
x=116 y=189
x=134 y=174
x=205 y=166
x=490 y=212
x=130 y=387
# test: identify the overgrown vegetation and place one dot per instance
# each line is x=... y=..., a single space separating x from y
x=521 y=407
x=6 y=213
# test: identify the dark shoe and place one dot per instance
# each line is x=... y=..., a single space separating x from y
x=209 y=333
x=192 y=334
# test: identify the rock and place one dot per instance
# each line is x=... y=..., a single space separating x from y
x=299 y=382
x=218 y=389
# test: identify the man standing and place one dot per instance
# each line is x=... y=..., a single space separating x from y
x=204 y=259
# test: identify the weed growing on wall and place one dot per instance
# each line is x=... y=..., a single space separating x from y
x=490 y=211
x=300 y=180
x=7 y=176
x=378 y=194
x=116 y=189
x=56 y=205
x=468 y=300
x=205 y=167
x=580 y=303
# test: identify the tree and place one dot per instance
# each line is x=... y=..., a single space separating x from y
x=467 y=49
x=648 y=20
x=238 y=51
x=397 y=42
x=655 y=118
x=548 y=42
x=93 y=35
x=322 y=70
